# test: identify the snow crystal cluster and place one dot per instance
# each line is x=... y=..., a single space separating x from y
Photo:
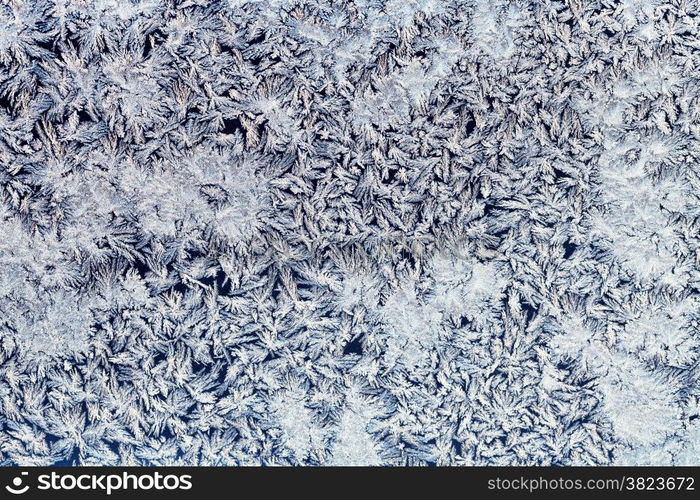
x=354 y=232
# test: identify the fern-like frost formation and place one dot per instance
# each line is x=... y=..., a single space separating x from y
x=356 y=232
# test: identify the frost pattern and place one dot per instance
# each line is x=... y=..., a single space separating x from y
x=353 y=232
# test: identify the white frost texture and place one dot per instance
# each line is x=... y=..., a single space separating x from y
x=355 y=232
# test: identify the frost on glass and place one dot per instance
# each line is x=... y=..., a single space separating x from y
x=355 y=232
